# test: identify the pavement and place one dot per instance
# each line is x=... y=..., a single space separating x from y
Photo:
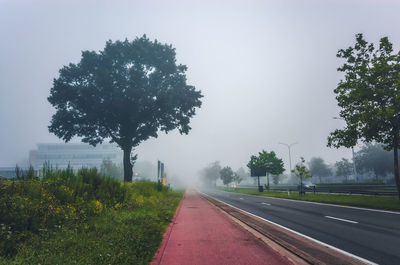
x=201 y=233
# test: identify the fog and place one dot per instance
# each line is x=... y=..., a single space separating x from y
x=267 y=70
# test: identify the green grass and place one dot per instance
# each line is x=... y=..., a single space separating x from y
x=375 y=202
x=68 y=218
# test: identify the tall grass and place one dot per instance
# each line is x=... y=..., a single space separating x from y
x=82 y=218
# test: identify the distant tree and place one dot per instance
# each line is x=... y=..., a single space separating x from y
x=226 y=175
x=237 y=178
x=319 y=168
x=267 y=162
x=126 y=93
x=272 y=164
x=275 y=179
x=369 y=97
x=372 y=157
x=344 y=168
x=242 y=173
x=301 y=172
x=112 y=170
x=210 y=174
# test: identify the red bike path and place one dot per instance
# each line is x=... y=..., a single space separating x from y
x=201 y=234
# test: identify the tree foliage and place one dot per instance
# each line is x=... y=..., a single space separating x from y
x=227 y=175
x=344 y=168
x=210 y=174
x=301 y=172
x=126 y=93
x=319 y=168
x=268 y=162
x=109 y=169
x=237 y=178
x=372 y=157
x=369 y=97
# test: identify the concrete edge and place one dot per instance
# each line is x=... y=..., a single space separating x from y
x=160 y=252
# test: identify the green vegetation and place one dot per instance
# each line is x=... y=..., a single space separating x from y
x=302 y=172
x=82 y=218
x=128 y=92
x=376 y=202
x=265 y=163
x=369 y=98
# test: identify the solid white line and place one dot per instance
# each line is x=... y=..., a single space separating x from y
x=265 y=203
x=340 y=219
x=327 y=204
x=297 y=233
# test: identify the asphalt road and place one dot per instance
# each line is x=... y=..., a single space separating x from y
x=372 y=235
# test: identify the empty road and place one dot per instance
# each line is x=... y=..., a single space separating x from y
x=371 y=234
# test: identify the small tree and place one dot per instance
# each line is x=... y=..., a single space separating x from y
x=237 y=178
x=271 y=164
x=242 y=173
x=344 y=168
x=127 y=93
x=302 y=172
x=319 y=168
x=226 y=175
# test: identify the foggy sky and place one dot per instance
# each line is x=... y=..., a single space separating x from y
x=267 y=70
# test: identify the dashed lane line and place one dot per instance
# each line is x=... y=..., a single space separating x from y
x=341 y=219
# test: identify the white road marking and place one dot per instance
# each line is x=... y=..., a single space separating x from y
x=300 y=234
x=265 y=203
x=241 y=198
x=340 y=219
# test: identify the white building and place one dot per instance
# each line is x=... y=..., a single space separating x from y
x=77 y=155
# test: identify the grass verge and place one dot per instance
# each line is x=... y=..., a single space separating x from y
x=82 y=218
x=366 y=201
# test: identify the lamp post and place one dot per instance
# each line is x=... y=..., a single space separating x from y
x=290 y=158
x=352 y=152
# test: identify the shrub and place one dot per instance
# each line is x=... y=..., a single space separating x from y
x=84 y=218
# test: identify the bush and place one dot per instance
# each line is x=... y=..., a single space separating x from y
x=82 y=218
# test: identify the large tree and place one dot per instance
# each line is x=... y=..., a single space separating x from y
x=319 y=168
x=126 y=93
x=369 y=96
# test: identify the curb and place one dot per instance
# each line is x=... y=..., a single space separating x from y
x=160 y=252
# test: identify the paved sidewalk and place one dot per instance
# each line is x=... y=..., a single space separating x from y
x=202 y=234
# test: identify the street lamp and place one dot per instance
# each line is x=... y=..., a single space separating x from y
x=352 y=151
x=290 y=158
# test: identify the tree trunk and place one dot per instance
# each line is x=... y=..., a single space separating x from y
x=268 y=180
x=396 y=164
x=128 y=173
